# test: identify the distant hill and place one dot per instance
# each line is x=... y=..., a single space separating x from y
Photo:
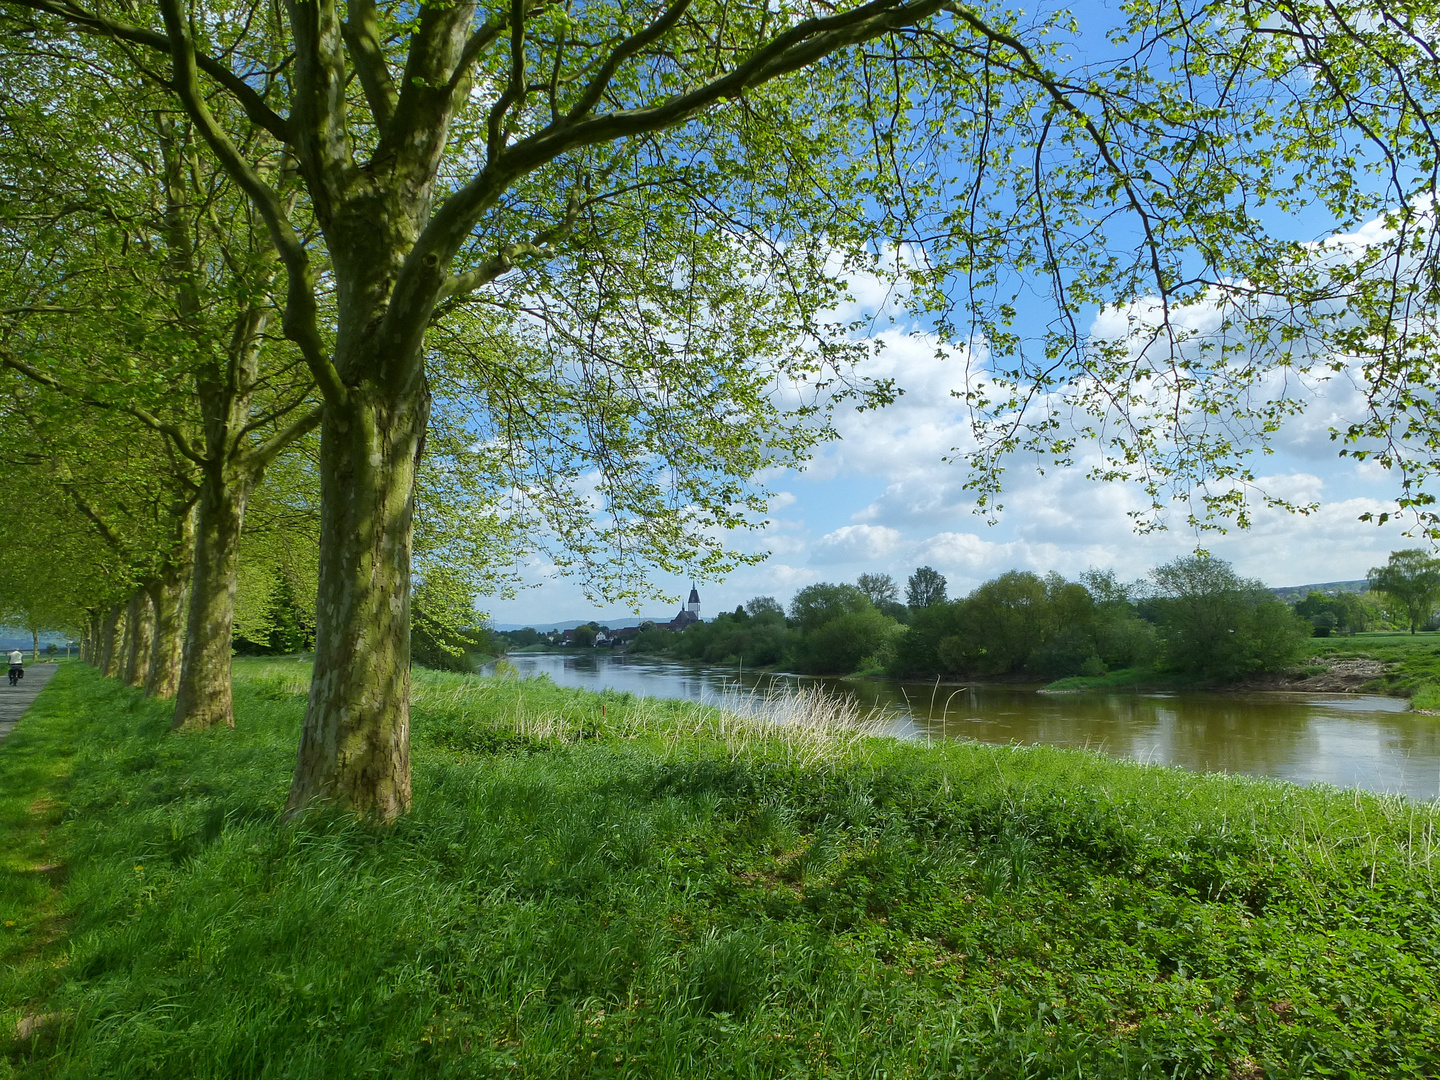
x=613 y=624
x=1291 y=593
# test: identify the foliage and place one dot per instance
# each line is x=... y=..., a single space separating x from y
x=444 y=630
x=284 y=627
x=1411 y=581
x=664 y=905
x=878 y=588
x=925 y=588
x=520 y=639
x=1344 y=613
x=1216 y=624
x=847 y=641
x=1020 y=623
x=735 y=637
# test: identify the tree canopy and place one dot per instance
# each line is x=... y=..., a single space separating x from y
x=1411 y=580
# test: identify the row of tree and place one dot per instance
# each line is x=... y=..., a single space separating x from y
x=396 y=295
x=1193 y=615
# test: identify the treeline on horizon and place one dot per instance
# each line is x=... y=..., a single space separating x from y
x=1194 y=616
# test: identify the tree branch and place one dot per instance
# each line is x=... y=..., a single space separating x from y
x=301 y=320
x=257 y=458
x=626 y=49
x=149 y=419
x=514 y=87
x=102 y=25
x=1051 y=85
x=362 y=37
x=540 y=244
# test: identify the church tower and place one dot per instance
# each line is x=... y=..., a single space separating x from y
x=693 y=604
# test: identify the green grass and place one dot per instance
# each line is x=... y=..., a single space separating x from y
x=1130 y=679
x=604 y=886
x=35 y=764
x=1413 y=661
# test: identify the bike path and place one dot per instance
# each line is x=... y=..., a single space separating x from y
x=14 y=700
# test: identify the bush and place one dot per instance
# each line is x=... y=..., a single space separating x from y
x=839 y=646
x=1219 y=625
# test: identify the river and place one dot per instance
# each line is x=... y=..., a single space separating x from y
x=1348 y=740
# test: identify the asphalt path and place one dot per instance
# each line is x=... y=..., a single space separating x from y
x=14 y=700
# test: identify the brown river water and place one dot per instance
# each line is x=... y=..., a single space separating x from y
x=1348 y=740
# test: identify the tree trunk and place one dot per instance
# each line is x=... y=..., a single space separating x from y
x=355 y=746
x=110 y=638
x=203 y=699
x=34 y=646
x=139 y=638
x=167 y=600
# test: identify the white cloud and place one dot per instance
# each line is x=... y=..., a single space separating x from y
x=882 y=498
x=856 y=543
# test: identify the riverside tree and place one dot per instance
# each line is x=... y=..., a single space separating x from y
x=925 y=588
x=1219 y=625
x=654 y=206
x=1410 y=579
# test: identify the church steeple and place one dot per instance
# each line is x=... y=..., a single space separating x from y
x=693 y=604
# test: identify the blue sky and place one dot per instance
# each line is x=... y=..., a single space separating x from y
x=882 y=499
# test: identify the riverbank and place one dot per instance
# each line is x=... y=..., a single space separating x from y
x=603 y=885
x=1378 y=662
x=1409 y=664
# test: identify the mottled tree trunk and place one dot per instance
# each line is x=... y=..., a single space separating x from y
x=167 y=599
x=204 y=699
x=355 y=746
x=139 y=639
x=110 y=640
x=89 y=637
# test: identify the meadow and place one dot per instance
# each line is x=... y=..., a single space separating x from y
x=605 y=886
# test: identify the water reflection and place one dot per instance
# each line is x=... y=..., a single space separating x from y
x=1351 y=741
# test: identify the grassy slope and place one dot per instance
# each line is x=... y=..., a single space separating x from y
x=656 y=892
x=1130 y=679
x=1413 y=659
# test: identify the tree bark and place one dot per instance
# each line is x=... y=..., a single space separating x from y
x=355 y=746
x=204 y=698
x=167 y=593
x=110 y=642
x=88 y=637
x=139 y=639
